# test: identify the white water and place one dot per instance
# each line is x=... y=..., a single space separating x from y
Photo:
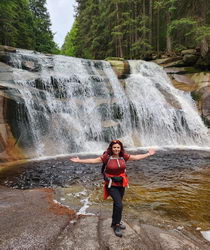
x=70 y=104
x=78 y=105
x=165 y=116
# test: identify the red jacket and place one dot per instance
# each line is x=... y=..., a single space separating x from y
x=124 y=183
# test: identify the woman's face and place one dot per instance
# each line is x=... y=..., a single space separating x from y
x=116 y=148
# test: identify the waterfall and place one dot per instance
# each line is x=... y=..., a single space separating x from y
x=164 y=115
x=67 y=104
x=71 y=104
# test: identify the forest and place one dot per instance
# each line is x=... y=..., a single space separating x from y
x=134 y=29
x=26 y=24
x=129 y=29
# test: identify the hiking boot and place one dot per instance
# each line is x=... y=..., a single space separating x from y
x=122 y=226
x=117 y=231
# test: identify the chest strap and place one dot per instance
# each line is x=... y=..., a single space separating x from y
x=117 y=159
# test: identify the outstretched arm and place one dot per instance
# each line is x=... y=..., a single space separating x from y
x=90 y=161
x=141 y=156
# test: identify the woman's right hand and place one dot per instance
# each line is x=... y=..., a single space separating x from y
x=88 y=161
x=152 y=151
x=75 y=159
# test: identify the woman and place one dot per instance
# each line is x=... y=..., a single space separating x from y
x=115 y=177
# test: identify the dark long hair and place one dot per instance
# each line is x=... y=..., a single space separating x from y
x=109 y=149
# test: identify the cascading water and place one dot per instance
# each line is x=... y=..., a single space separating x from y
x=73 y=105
x=76 y=105
x=164 y=115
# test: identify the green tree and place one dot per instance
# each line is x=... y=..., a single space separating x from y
x=190 y=27
x=23 y=23
x=8 y=32
x=26 y=24
x=137 y=28
x=41 y=26
x=69 y=46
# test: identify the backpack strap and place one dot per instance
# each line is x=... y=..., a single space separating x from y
x=103 y=167
x=106 y=164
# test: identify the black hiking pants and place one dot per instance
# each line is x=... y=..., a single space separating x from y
x=117 y=195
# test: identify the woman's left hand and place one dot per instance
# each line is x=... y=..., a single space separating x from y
x=75 y=159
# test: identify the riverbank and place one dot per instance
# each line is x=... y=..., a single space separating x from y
x=56 y=204
x=30 y=219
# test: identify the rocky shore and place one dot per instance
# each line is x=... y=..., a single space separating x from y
x=166 y=206
x=31 y=219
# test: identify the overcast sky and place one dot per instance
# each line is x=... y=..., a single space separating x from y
x=62 y=18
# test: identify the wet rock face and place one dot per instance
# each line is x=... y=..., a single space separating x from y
x=9 y=95
x=9 y=151
x=183 y=82
x=31 y=66
x=206 y=106
x=33 y=213
x=170 y=98
x=7 y=49
x=187 y=78
x=27 y=217
x=202 y=93
x=95 y=233
x=121 y=68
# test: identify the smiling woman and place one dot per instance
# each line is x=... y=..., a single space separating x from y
x=115 y=177
x=62 y=18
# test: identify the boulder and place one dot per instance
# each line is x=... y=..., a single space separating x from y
x=5 y=68
x=167 y=60
x=178 y=63
x=4 y=57
x=201 y=79
x=121 y=68
x=205 y=105
x=183 y=82
x=31 y=219
x=31 y=66
x=202 y=94
x=204 y=62
x=180 y=70
x=190 y=59
x=7 y=48
x=164 y=56
x=188 y=52
x=169 y=98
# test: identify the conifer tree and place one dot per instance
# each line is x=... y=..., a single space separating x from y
x=41 y=26
x=23 y=23
x=69 y=46
x=26 y=24
x=138 y=28
x=8 y=33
